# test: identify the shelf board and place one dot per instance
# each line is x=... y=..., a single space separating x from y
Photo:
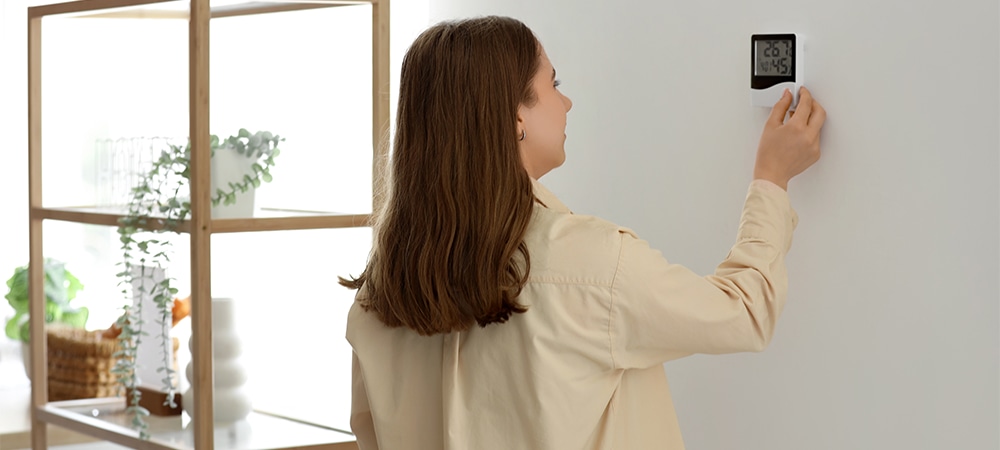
x=249 y=8
x=173 y=9
x=106 y=419
x=266 y=219
x=93 y=216
x=289 y=223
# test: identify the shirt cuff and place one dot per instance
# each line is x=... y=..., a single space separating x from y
x=768 y=214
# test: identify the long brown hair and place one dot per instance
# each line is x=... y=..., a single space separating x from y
x=449 y=240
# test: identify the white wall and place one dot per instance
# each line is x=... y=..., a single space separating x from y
x=14 y=128
x=890 y=336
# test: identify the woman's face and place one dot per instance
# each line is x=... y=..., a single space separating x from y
x=543 y=123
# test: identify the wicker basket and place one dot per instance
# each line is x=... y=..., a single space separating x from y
x=80 y=363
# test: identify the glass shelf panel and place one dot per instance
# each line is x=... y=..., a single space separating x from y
x=257 y=431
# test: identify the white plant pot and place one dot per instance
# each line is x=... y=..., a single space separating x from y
x=26 y=358
x=230 y=167
x=232 y=398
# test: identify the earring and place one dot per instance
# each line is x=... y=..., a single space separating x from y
x=522 y=135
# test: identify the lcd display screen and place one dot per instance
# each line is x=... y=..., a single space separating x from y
x=773 y=57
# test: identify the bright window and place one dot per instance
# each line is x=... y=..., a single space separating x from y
x=292 y=312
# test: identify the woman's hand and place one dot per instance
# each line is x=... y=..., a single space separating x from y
x=787 y=148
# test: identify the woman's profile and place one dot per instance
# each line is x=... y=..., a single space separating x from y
x=490 y=316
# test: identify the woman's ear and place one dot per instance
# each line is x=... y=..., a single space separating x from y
x=521 y=130
x=521 y=114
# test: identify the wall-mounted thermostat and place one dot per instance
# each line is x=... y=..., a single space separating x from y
x=776 y=64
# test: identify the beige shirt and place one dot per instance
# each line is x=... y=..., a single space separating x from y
x=583 y=367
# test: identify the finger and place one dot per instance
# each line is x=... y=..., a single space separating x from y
x=804 y=107
x=818 y=117
x=779 y=110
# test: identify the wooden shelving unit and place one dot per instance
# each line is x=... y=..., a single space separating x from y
x=103 y=418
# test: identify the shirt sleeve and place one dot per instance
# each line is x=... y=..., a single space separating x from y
x=362 y=424
x=662 y=311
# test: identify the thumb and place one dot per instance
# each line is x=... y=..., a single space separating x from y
x=780 y=109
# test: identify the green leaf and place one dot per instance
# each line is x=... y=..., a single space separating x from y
x=18 y=294
x=60 y=287
x=13 y=328
x=24 y=333
x=74 y=285
x=76 y=319
x=266 y=176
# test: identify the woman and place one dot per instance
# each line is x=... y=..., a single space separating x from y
x=491 y=317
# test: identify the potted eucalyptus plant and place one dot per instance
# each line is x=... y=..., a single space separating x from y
x=158 y=205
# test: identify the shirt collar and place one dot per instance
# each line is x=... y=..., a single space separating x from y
x=547 y=198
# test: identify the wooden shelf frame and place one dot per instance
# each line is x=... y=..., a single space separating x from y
x=146 y=9
x=200 y=226
x=303 y=220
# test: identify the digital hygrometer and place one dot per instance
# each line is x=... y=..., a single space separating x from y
x=775 y=65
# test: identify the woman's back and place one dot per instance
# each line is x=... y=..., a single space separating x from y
x=543 y=379
x=570 y=372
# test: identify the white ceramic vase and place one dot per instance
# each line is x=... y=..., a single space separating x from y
x=228 y=166
x=232 y=398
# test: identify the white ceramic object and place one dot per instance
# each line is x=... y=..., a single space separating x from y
x=149 y=352
x=228 y=166
x=26 y=358
x=232 y=398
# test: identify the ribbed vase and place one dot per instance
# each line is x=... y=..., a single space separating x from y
x=232 y=399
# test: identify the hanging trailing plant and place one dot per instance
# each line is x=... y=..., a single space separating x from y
x=159 y=204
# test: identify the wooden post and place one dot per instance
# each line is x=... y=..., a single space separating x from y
x=201 y=225
x=36 y=261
